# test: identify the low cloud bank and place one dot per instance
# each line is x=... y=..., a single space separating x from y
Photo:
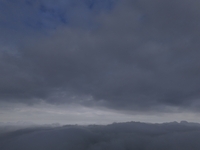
x=117 y=136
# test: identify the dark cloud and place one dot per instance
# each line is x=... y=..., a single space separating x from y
x=117 y=136
x=144 y=55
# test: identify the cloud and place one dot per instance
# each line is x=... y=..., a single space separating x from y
x=118 y=136
x=143 y=57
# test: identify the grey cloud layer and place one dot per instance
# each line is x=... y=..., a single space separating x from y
x=144 y=55
x=118 y=136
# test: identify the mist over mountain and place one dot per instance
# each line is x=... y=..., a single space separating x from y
x=116 y=136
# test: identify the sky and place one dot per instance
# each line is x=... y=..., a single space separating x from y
x=99 y=61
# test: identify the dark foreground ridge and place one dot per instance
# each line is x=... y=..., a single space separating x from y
x=116 y=136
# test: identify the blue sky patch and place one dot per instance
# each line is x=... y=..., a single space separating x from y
x=49 y=14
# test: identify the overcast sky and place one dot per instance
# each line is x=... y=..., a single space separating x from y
x=99 y=61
